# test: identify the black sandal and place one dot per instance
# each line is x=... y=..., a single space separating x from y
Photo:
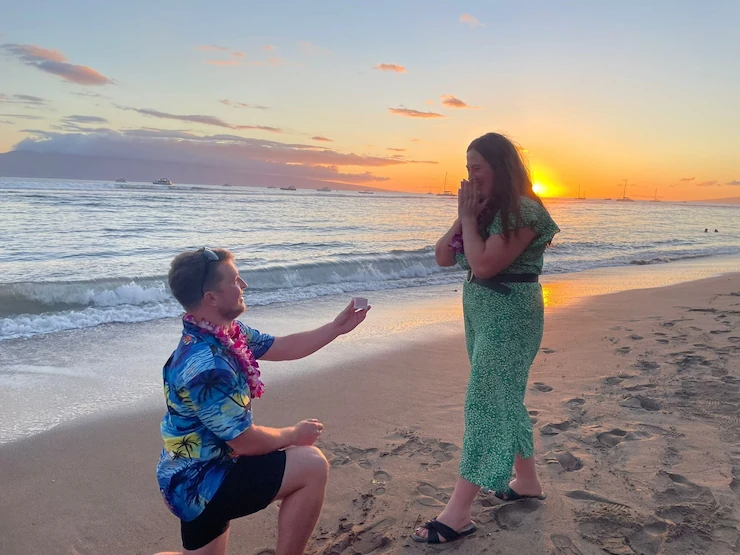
x=437 y=529
x=508 y=494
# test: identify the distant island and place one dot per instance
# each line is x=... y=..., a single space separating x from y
x=43 y=165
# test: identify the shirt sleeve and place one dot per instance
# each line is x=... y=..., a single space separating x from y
x=219 y=397
x=259 y=343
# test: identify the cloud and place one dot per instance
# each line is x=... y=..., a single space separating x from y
x=89 y=94
x=713 y=183
x=396 y=149
x=415 y=140
x=225 y=151
x=268 y=47
x=7 y=122
x=24 y=99
x=450 y=101
x=85 y=119
x=52 y=61
x=269 y=62
x=242 y=105
x=21 y=116
x=413 y=113
x=470 y=20
x=307 y=47
x=238 y=54
x=211 y=48
x=196 y=118
x=390 y=67
x=686 y=179
x=319 y=138
x=223 y=62
x=429 y=102
x=734 y=182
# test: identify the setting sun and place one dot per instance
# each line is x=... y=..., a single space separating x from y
x=539 y=189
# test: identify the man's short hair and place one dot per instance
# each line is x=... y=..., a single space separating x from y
x=187 y=273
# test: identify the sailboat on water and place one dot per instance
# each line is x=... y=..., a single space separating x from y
x=655 y=198
x=625 y=198
x=579 y=197
x=445 y=192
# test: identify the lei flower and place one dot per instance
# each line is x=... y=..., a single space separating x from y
x=235 y=341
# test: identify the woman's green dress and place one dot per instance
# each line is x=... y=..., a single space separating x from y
x=503 y=334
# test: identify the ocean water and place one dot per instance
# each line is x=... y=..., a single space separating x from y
x=76 y=255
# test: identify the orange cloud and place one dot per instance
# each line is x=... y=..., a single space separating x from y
x=687 y=179
x=714 y=183
x=223 y=62
x=396 y=149
x=52 y=61
x=450 y=101
x=268 y=47
x=415 y=140
x=269 y=62
x=470 y=20
x=211 y=48
x=413 y=113
x=390 y=67
x=238 y=54
x=319 y=138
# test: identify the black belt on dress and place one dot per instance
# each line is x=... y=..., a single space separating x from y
x=496 y=283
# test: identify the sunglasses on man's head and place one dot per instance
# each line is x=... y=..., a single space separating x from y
x=210 y=256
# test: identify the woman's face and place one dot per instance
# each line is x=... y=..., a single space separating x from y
x=480 y=174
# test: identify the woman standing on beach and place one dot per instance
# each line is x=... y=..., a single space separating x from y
x=500 y=235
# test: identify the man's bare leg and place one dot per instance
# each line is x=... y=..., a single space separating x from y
x=302 y=494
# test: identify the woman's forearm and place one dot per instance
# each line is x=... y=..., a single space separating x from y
x=444 y=254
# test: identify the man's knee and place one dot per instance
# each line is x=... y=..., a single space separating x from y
x=317 y=463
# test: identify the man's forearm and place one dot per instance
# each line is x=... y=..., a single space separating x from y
x=259 y=440
x=299 y=345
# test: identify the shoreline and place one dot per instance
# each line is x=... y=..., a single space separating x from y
x=44 y=384
x=634 y=405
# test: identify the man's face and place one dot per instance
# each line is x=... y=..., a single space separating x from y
x=227 y=295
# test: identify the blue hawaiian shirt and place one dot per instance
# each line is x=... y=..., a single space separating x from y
x=208 y=404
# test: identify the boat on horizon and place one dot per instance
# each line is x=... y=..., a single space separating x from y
x=324 y=189
x=291 y=188
x=121 y=180
x=162 y=181
x=445 y=192
x=579 y=197
x=366 y=192
x=625 y=198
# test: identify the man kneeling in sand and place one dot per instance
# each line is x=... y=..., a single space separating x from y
x=216 y=464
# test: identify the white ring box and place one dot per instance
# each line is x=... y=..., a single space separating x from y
x=360 y=303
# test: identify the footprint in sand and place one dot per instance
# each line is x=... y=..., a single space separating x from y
x=431 y=496
x=623 y=350
x=663 y=341
x=733 y=339
x=613 y=380
x=641 y=387
x=512 y=515
x=680 y=489
x=582 y=495
x=569 y=462
x=718 y=332
x=641 y=402
x=539 y=386
x=646 y=365
x=548 y=351
x=575 y=402
x=564 y=545
x=612 y=437
x=635 y=337
x=555 y=429
x=657 y=430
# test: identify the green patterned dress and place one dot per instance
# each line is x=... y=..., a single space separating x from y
x=503 y=334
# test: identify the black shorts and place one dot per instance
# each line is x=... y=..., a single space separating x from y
x=250 y=486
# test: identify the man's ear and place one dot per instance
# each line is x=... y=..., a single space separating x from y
x=209 y=299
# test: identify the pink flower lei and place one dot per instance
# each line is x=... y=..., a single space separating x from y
x=235 y=341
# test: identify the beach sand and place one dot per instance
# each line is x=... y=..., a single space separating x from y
x=634 y=398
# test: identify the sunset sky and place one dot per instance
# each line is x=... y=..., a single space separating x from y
x=386 y=94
